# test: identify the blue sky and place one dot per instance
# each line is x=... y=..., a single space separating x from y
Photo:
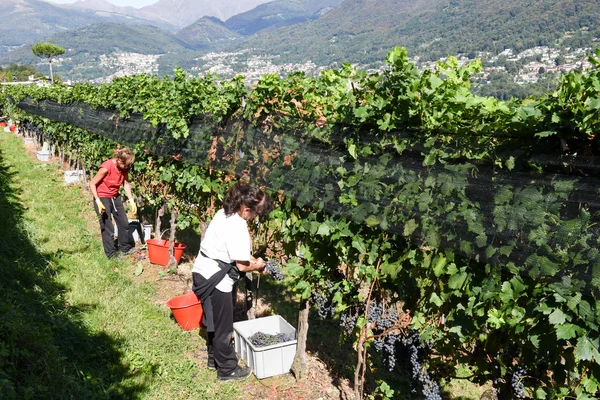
x=133 y=3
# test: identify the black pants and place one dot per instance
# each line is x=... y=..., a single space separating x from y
x=219 y=341
x=114 y=207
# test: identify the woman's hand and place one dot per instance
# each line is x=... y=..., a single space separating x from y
x=101 y=208
x=132 y=206
x=259 y=264
x=255 y=264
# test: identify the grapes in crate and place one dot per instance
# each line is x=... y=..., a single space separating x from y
x=261 y=339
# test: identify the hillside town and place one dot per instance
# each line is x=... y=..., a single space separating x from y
x=525 y=67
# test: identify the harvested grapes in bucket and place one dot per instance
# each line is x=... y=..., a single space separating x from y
x=261 y=339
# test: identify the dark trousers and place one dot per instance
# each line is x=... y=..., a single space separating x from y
x=219 y=341
x=114 y=208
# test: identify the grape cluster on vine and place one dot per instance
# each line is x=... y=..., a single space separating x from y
x=417 y=355
x=322 y=299
x=517 y=383
x=273 y=268
x=390 y=341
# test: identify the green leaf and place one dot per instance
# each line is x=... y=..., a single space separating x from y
x=457 y=330
x=510 y=163
x=495 y=319
x=590 y=384
x=323 y=230
x=567 y=331
x=535 y=341
x=139 y=269
x=352 y=150
x=456 y=281
x=438 y=267
x=372 y=221
x=435 y=299
x=545 y=134
x=506 y=293
x=540 y=393
x=557 y=317
x=410 y=227
x=587 y=350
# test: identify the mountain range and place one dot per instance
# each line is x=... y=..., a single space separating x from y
x=363 y=31
x=177 y=13
x=296 y=31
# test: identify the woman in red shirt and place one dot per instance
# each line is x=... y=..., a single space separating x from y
x=108 y=203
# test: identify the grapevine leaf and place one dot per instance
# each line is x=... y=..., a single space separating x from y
x=458 y=331
x=535 y=341
x=506 y=293
x=587 y=350
x=372 y=220
x=495 y=319
x=456 y=281
x=438 y=267
x=590 y=384
x=410 y=227
x=435 y=299
x=567 y=331
x=540 y=393
x=557 y=317
x=352 y=150
x=510 y=163
x=323 y=230
x=545 y=134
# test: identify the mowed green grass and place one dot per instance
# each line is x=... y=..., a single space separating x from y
x=73 y=325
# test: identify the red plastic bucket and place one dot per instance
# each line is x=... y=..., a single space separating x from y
x=187 y=310
x=158 y=251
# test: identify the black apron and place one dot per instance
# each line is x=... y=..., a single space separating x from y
x=204 y=288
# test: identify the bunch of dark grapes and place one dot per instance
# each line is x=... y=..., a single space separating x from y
x=273 y=268
x=348 y=322
x=321 y=298
x=517 y=383
x=416 y=350
x=261 y=339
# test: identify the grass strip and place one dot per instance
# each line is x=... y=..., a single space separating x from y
x=72 y=323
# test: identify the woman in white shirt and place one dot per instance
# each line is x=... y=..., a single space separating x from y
x=225 y=253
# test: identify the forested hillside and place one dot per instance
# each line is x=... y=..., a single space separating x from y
x=364 y=30
x=207 y=33
x=25 y=21
x=279 y=13
x=106 y=38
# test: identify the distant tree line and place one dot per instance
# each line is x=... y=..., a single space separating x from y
x=18 y=73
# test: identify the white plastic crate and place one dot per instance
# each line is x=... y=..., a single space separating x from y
x=43 y=155
x=74 y=176
x=269 y=360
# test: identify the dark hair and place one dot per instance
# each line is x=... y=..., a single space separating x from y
x=242 y=195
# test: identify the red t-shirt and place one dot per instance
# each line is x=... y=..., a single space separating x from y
x=110 y=184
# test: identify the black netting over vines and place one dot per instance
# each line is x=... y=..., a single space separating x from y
x=532 y=209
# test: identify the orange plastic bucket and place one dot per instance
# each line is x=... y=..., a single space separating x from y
x=158 y=251
x=187 y=310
